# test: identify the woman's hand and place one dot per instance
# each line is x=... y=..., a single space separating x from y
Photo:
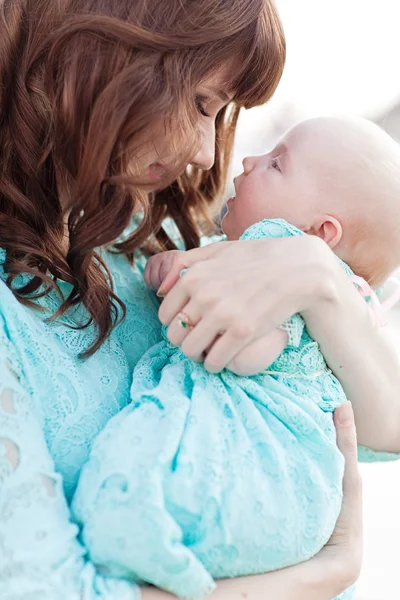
x=345 y=547
x=236 y=292
x=335 y=568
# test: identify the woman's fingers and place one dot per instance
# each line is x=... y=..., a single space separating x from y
x=347 y=443
x=173 y=304
x=182 y=328
x=347 y=536
x=186 y=260
x=240 y=291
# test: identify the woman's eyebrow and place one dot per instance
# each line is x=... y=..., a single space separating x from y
x=223 y=96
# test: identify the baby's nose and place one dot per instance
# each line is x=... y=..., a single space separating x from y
x=249 y=163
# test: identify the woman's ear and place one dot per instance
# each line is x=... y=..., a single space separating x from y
x=329 y=229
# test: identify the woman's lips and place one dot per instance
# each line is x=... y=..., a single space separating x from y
x=157 y=171
x=230 y=200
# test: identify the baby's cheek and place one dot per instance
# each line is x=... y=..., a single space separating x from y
x=253 y=208
x=259 y=192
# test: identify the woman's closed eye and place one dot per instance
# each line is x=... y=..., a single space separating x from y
x=200 y=106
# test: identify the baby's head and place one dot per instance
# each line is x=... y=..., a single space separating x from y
x=334 y=177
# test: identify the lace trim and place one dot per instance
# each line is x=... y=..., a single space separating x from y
x=294 y=376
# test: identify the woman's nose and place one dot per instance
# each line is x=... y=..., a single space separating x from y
x=205 y=156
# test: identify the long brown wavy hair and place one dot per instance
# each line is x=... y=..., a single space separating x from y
x=81 y=81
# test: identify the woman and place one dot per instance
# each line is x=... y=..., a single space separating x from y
x=103 y=105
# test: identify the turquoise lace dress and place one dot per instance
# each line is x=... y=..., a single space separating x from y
x=207 y=476
x=52 y=408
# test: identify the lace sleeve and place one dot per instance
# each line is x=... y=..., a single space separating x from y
x=40 y=557
x=294 y=327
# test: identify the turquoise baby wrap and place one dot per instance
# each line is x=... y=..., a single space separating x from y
x=205 y=476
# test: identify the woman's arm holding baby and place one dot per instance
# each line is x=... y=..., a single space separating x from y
x=332 y=570
x=251 y=360
x=363 y=357
x=312 y=580
x=229 y=288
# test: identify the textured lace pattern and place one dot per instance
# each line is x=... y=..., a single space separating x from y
x=222 y=475
x=52 y=406
x=294 y=328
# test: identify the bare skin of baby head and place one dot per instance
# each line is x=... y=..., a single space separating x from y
x=334 y=177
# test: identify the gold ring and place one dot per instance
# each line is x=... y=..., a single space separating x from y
x=184 y=321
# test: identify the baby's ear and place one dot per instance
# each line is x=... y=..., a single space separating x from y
x=329 y=229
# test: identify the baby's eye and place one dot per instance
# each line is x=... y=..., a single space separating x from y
x=275 y=164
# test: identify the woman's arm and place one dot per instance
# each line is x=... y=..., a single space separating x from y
x=329 y=573
x=365 y=361
x=245 y=289
x=312 y=580
x=40 y=556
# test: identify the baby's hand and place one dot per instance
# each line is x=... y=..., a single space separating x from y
x=158 y=267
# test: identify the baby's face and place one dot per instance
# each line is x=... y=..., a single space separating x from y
x=285 y=184
x=337 y=178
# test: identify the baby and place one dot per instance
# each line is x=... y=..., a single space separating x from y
x=226 y=475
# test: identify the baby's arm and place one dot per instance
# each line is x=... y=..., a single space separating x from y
x=260 y=354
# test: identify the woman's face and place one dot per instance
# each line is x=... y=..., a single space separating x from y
x=155 y=159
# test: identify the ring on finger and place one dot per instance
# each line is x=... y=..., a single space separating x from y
x=184 y=321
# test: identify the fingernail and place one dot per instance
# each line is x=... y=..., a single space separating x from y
x=160 y=294
x=345 y=415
